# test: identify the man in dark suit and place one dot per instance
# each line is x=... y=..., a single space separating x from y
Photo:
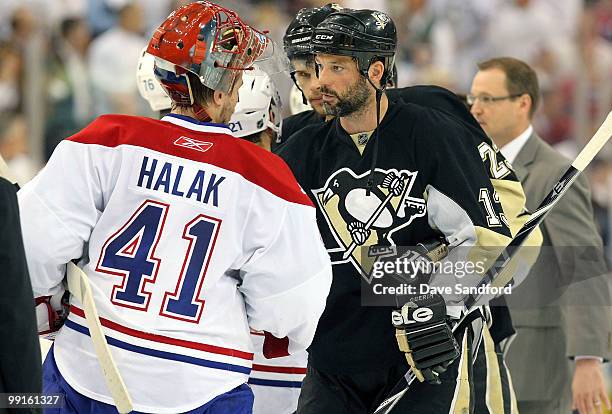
x=20 y=363
x=561 y=311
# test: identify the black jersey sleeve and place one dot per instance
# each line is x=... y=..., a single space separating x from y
x=507 y=188
x=458 y=182
x=294 y=123
x=462 y=200
x=297 y=151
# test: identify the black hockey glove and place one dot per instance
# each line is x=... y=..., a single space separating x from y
x=424 y=334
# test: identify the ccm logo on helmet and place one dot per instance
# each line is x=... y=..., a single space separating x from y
x=324 y=37
x=419 y=315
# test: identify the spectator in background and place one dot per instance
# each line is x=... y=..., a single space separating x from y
x=521 y=29
x=100 y=16
x=576 y=95
x=23 y=24
x=69 y=87
x=602 y=10
x=10 y=78
x=14 y=146
x=12 y=58
x=504 y=96
x=593 y=97
x=113 y=60
x=469 y=22
x=415 y=34
x=426 y=40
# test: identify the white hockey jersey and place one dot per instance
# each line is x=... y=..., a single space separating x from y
x=276 y=383
x=188 y=236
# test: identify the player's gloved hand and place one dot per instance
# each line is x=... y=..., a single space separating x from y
x=51 y=313
x=424 y=334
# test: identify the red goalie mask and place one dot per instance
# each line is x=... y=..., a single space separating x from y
x=210 y=41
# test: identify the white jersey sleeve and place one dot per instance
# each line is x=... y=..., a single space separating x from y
x=61 y=205
x=279 y=299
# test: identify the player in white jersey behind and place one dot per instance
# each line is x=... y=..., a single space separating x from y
x=275 y=382
x=187 y=235
x=257 y=118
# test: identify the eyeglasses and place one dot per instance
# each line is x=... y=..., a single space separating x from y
x=486 y=100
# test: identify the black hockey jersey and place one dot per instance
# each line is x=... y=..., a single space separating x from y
x=430 y=96
x=294 y=123
x=446 y=188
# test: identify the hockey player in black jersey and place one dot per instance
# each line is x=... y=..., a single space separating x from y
x=416 y=157
x=296 y=43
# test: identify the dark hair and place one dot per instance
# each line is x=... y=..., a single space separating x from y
x=520 y=78
x=307 y=60
x=254 y=138
x=69 y=24
x=202 y=95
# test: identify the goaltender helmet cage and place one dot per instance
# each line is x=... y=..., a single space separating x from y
x=299 y=32
x=259 y=106
x=208 y=40
x=366 y=35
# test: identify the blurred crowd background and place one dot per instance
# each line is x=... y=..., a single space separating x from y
x=64 y=62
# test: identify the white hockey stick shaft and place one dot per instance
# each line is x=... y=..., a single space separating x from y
x=592 y=148
x=79 y=286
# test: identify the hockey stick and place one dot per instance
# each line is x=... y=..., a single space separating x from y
x=79 y=286
x=496 y=272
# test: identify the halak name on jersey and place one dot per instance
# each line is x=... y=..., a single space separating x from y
x=179 y=181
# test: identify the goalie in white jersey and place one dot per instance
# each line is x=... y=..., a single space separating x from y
x=187 y=235
x=275 y=382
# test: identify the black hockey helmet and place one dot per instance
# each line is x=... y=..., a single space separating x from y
x=392 y=82
x=296 y=40
x=366 y=35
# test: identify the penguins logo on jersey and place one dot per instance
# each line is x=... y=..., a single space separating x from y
x=357 y=219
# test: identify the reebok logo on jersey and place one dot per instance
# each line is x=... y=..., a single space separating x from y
x=193 y=144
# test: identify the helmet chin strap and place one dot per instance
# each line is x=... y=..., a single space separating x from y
x=200 y=113
x=379 y=93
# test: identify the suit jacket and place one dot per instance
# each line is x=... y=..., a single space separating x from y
x=562 y=309
x=20 y=364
